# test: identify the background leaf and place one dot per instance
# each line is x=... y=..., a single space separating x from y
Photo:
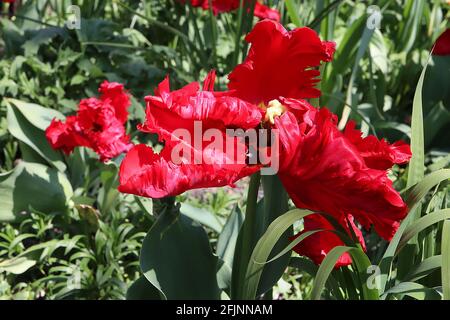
x=176 y=258
x=32 y=185
x=27 y=123
x=142 y=289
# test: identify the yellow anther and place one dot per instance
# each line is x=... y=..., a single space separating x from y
x=274 y=109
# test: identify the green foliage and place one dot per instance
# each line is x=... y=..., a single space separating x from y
x=175 y=241
x=32 y=185
x=67 y=233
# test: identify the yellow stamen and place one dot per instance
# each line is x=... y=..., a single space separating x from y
x=273 y=109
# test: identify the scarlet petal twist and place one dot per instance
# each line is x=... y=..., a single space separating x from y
x=280 y=64
x=339 y=173
x=66 y=135
x=171 y=172
x=114 y=93
x=98 y=124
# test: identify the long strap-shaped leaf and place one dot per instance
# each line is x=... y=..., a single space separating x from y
x=421 y=224
x=416 y=165
x=424 y=268
x=413 y=196
x=417 y=192
x=325 y=269
x=292 y=11
x=264 y=248
x=364 y=44
x=413 y=290
x=415 y=177
x=360 y=261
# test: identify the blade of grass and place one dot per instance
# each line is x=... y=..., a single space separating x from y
x=325 y=269
x=237 y=39
x=324 y=13
x=360 y=261
x=416 y=165
x=306 y=265
x=213 y=30
x=167 y=28
x=426 y=267
x=416 y=168
x=364 y=44
x=264 y=247
x=414 y=290
x=421 y=224
x=292 y=11
x=413 y=196
x=416 y=193
x=290 y=246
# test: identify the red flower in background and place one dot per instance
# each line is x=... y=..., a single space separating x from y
x=145 y=173
x=442 y=46
x=98 y=124
x=280 y=64
x=219 y=6
x=65 y=135
x=264 y=12
x=119 y=99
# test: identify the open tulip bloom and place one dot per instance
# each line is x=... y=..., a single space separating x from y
x=219 y=6
x=323 y=169
x=98 y=124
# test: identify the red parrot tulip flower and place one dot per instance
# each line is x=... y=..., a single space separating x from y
x=175 y=115
x=98 y=124
x=321 y=168
x=220 y=6
x=280 y=64
x=338 y=173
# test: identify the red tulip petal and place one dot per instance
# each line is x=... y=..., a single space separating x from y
x=65 y=135
x=148 y=174
x=208 y=83
x=264 y=12
x=378 y=154
x=279 y=64
x=442 y=46
x=319 y=244
x=322 y=170
x=168 y=111
x=118 y=97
